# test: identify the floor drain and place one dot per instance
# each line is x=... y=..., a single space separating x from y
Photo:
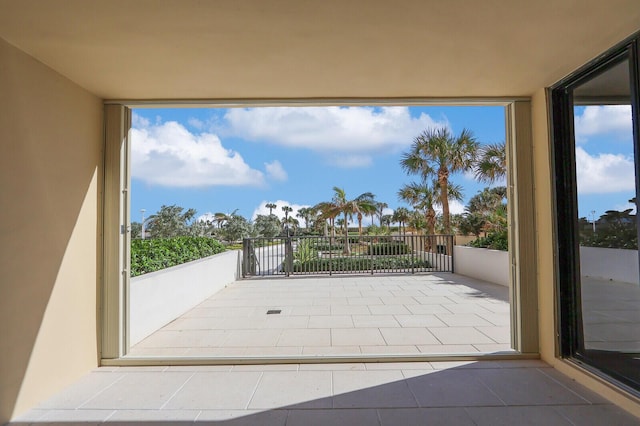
x=273 y=311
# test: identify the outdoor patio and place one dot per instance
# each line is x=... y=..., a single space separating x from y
x=341 y=315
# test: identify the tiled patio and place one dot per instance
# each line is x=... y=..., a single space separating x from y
x=488 y=393
x=341 y=315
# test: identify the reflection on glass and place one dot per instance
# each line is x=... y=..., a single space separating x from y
x=610 y=292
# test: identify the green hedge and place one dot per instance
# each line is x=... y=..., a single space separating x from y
x=388 y=248
x=160 y=253
x=344 y=264
x=495 y=241
x=326 y=246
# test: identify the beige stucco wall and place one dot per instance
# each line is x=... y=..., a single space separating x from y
x=546 y=272
x=544 y=222
x=51 y=140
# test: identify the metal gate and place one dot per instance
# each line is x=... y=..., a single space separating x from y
x=312 y=255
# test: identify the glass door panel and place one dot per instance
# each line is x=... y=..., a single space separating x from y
x=605 y=220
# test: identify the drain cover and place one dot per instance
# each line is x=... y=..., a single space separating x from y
x=273 y=311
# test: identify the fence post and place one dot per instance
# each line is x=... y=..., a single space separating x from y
x=452 y=251
x=371 y=249
x=288 y=256
x=245 y=257
x=330 y=254
x=413 y=261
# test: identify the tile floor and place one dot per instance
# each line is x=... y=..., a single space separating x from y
x=341 y=315
x=420 y=393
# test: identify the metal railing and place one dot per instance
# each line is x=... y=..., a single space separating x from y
x=353 y=255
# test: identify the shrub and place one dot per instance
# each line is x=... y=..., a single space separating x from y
x=495 y=240
x=345 y=264
x=393 y=248
x=305 y=251
x=160 y=253
x=327 y=247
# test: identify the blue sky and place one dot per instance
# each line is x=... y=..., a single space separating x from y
x=604 y=159
x=220 y=160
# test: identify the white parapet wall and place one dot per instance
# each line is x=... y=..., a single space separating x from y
x=609 y=264
x=483 y=264
x=160 y=297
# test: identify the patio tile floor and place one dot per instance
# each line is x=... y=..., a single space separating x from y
x=341 y=315
x=522 y=392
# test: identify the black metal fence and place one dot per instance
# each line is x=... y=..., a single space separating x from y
x=353 y=255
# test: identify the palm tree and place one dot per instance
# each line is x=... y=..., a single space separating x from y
x=271 y=206
x=327 y=213
x=436 y=152
x=491 y=163
x=455 y=193
x=489 y=207
x=380 y=206
x=422 y=197
x=285 y=221
x=291 y=223
x=386 y=220
x=339 y=204
x=487 y=200
x=306 y=214
x=417 y=221
x=401 y=215
x=220 y=219
x=363 y=205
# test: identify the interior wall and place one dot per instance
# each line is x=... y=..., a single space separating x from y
x=50 y=174
x=547 y=300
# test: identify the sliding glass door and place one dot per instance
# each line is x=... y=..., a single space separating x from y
x=595 y=126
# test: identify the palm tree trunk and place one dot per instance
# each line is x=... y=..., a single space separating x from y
x=347 y=248
x=360 y=224
x=431 y=221
x=443 y=181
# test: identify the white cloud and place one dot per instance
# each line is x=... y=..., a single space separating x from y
x=275 y=171
x=139 y=121
x=330 y=129
x=263 y=210
x=604 y=173
x=455 y=207
x=167 y=154
x=604 y=119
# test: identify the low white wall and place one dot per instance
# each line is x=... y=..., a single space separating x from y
x=441 y=261
x=483 y=264
x=159 y=297
x=609 y=264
